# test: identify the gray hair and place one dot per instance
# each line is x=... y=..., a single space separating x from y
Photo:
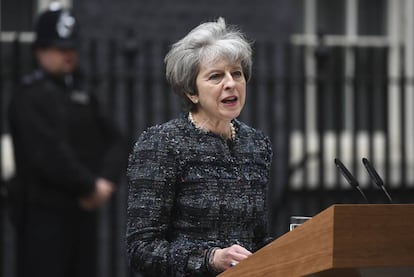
x=206 y=43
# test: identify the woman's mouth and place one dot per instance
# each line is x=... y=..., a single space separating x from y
x=229 y=100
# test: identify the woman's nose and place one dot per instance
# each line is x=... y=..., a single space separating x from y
x=229 y=80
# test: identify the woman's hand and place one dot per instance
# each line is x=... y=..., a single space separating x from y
x=230 y=256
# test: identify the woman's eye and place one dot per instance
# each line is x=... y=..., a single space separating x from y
x=215 y=77
x=237 y=74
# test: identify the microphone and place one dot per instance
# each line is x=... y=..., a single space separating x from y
x=375 y=178
x=350 y=178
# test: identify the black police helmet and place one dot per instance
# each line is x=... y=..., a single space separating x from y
x=56 y=28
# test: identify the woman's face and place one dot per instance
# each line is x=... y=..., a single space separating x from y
x=221 y=90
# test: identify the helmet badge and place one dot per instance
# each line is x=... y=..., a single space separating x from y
x=65 y=25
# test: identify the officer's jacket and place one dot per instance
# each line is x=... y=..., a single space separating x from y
x=62 y=140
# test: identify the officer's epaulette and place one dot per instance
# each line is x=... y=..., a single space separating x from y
x=32 y=77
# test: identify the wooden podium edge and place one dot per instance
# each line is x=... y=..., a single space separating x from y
x=341 y=237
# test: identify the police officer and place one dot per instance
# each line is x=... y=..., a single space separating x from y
x=69 y=157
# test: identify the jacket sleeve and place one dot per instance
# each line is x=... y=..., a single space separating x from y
x=40 y=144
x=262 y=234
x=152 y=173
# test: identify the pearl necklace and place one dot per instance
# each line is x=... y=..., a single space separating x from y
x=232 y=128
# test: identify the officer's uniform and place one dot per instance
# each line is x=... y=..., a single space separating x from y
x=63 y=142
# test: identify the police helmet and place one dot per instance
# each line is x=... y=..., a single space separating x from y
x=56 y=27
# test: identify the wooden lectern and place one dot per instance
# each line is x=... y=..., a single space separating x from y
x=343 y=240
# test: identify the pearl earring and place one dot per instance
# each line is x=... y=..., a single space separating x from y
x=195 y=101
